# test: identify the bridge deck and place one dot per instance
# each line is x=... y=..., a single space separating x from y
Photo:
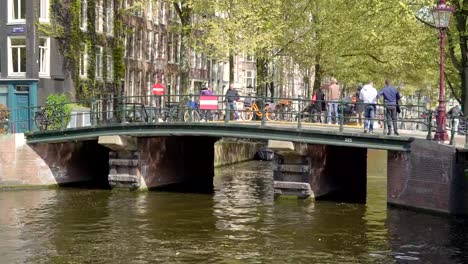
x=312 y=133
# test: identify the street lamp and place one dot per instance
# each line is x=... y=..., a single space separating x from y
x=441 y=14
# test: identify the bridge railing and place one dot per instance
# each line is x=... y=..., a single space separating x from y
x=298 y=113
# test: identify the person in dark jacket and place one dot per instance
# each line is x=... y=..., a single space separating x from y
x=319 y=104
x=391 y=97
x=232 y=96
x=455 y=113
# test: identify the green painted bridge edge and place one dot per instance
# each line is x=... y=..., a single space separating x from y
x=309 y=136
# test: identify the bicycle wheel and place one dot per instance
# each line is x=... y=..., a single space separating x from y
x=270 y=116
x=248 y=114
x=195 y=116
x=40 y=120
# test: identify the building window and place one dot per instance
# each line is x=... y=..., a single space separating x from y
x=84 y=15
x=193 y=59
x=162 y=48
x=155 y=46
x=16 y=11
x=250 y=79
x=170 y=48
x=162 y=12
x=131 y=39
x=149 y=45
x=99 y=54
x=109 y=17
x=138 y=85
x=139 y=43
x=44 y=11
x=109 y=66
x=149 y=10
x=44 y=56
x=148 y=84
x=199 y=61
x=83 y=60
x=16 y=56
x=99 y=16
x=131 y=75
x=249 y=58
x=177 y=49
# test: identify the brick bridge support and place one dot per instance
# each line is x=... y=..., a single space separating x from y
x=431 y=176
x=333 y=172
x=165 y=163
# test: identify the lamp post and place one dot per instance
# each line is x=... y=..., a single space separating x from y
x=441 y=14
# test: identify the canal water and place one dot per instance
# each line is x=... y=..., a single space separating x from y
x=239 y=223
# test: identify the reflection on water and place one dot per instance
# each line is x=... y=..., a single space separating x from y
x=240 y=223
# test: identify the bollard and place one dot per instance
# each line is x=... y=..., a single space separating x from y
x=299 y=119
x=466 y=134
x=227 y=116
x=263 y=112
x=429 y=126
x=190 y=107
x=341 y=115
x=452 y=133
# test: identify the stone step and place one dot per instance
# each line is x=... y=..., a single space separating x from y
x=124 y=162
x=300 y=189
x=128 y=178
x=292 y=168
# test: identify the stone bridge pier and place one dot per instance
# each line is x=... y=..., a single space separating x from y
x=164 y=163
x=332 y=172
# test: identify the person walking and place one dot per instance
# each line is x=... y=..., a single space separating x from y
x=368 y=96
x=232 y=96
x=333 y=96
x=455 y=114
x=205 y=114
x=319 y=105
x=391 y=97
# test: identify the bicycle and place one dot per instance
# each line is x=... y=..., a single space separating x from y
x=41 y=120
x=193 y=110
x=249 y=112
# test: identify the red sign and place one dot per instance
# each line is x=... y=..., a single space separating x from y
x=158 y=89
x=208 y=102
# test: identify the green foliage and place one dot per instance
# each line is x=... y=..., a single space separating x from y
x=58 y=111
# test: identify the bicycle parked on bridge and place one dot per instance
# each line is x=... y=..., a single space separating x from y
x=41 y=119
x=249 y=112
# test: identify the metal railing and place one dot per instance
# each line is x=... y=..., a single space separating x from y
x=296 y=113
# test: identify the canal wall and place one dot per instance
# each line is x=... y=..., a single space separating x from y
x=430 y=177
x=227 y=152
x=50 y=164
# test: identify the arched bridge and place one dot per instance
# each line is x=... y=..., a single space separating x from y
x=310 y=134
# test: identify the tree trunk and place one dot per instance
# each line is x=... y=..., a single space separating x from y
x=317 y=77
x=231 y=67
x=185 y=12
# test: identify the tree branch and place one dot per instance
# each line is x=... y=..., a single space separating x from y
x=451 y=89
x=365 y=54
x=455 y=61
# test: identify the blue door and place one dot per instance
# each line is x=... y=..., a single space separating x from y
x=22 y=118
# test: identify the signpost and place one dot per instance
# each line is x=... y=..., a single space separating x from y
x=158 y=91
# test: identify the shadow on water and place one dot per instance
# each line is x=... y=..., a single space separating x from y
x=427 y=238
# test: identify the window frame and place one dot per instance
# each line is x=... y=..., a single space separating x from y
x=11 y=9
x=84 y=15
x=10 y=56
x=83 y=61
x=45 y=73
x=44 y=15
x=99 y=62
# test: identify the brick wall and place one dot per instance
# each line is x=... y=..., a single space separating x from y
x=428 y=177
x=46 y=164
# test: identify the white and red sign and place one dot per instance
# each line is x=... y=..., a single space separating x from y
x=158 y=89
x=208 y=102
